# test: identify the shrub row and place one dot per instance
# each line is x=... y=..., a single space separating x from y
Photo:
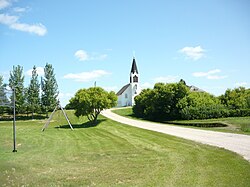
x=175 y=101
x=208 y=112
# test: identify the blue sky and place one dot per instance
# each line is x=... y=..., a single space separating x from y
x=206 y=43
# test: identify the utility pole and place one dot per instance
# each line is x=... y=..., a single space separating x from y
x=14 y=120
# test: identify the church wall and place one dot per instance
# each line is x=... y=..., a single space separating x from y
x=136 y=91
x=125 y=98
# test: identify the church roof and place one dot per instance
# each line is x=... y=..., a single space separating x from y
x=122 y=89
x=195 y=89
x=134 y=67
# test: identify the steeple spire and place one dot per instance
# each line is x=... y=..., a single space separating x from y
x=134 y=67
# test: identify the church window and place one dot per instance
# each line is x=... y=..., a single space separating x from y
x=126 y=96
x=135 y=79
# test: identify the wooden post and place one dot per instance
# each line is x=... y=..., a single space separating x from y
x=65 y=115
x=51 y=115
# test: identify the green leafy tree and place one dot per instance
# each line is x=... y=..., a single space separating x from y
x=179 y=91
x=248 y=98
x=142 y=103
x=161 y=99
x=90 y=102
x=238 y=98
x=3 y=98
x=49 y=89
x=33 y=97
x=16 y=81
x=196 y=99
x=176 y=101
x=161 y=102
x=201 y=105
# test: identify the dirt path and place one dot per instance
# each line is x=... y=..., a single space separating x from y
x=234 y=142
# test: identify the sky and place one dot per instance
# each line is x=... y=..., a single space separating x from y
x=206 y=43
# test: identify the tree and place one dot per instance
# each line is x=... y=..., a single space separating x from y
x=196 y=99
x=238 y=98
x=49 y=89
x=90 y=102
x=179 y=90
x=142 y=103
x=33 y=98
x=3 y=97
x=161 y=102
x=16 y=82
x=201 y=105
x=182 y=81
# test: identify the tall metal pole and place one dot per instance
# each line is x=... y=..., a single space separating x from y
x=14 y=120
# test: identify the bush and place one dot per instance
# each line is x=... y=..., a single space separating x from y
x=174 y=101
x=161 y=102
x=239 y=112
x=204 y=112
x=208 y=112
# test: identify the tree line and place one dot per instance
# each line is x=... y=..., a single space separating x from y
x=176 y=101
x=39 y=97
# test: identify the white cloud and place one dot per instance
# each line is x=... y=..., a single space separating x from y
x=205 y=74
x=167 y=79
x=216 y=77
x=86 y=76
x=8 y=20
x=83 y=55
x=4 y=4
x=147 y=85
x=39 y=71
x=38 y=29
x=12 y=22
x=64 y=98
x=20 y=9
x=65 y=95
x=110 y=88
x=194 y=53
x=244 y=84
x=212 y=74
x=5 y=75
x=8 y=88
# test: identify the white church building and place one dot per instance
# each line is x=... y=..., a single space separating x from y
x=128 y=92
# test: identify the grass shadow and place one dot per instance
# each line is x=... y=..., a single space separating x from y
x=85 y=125
x=131 y=115
x=22 y=117
x=196 y=124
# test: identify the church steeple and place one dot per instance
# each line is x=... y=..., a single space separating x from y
x=134 y=75
x=134 y=67
x=128 y=92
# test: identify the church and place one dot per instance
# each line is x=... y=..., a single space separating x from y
x=128 y=92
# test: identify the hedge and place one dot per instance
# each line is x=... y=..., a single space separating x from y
x=208 y=112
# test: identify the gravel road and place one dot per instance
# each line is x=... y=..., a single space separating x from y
x=234 y=142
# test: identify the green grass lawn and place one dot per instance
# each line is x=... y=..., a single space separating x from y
x=111 y=154
x=234 y=124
